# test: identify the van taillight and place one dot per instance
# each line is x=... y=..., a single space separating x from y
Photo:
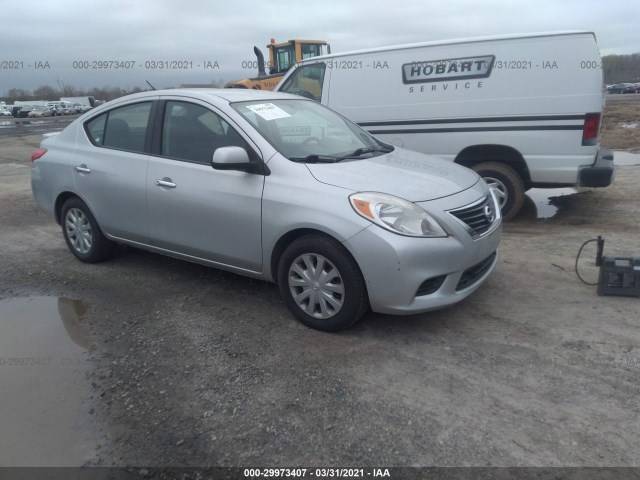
x=591 y=129
x=38 y=153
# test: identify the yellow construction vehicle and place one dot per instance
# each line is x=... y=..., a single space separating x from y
x=281 y=57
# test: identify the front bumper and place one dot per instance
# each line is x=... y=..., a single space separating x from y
x=601 y=173
x=408 y=275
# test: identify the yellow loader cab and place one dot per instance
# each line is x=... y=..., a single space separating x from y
x=282 y=56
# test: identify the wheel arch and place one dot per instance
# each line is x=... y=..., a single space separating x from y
x=63 y=197
x=476 y=154
x=289 y=237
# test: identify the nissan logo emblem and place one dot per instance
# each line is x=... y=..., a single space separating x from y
x=488 y=213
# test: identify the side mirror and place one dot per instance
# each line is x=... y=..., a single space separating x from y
x=231 y=158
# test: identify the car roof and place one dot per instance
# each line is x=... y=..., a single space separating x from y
x=240 y=94
x=215 y=96
x=228 y=95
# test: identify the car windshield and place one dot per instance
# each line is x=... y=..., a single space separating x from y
x=303 y=130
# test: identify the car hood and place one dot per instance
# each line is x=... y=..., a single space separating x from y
x=410 y=175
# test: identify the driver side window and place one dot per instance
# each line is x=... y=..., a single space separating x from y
x=192 y=132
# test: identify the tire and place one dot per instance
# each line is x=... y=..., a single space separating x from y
x=82 y=233
x=330 y=305
x=507 y=184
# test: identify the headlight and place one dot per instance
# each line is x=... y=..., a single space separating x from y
x=396 y=214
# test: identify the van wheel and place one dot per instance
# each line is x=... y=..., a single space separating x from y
x=507 y=185
x=321 y=283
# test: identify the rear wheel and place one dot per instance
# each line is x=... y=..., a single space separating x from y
x=507 y=185
x=321 y=283
x=82 y=233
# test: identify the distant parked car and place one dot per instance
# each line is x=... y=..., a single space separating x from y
x=5 y=111
x=15 y=109
x=70 y=107
x=38 y=111
x=24 y=111
x=63 y=108
x=80 y=108
x=55 y=108
x=624 y=88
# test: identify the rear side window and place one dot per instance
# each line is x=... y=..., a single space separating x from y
x=95 y=129
x=192 y=132
x=306 y=81
x=124 y=128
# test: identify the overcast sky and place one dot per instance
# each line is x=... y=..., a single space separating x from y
x=52 y=35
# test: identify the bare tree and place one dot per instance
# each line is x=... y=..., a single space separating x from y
x=621 y=68
x=19 y=94
x=45 y=92
x=66 y=90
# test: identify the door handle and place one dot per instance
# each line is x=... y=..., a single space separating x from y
x=165 y=182
x=83 y=169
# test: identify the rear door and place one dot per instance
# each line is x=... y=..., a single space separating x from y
x=110 y=169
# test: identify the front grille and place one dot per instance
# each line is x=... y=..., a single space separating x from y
x=478 y=217
x=472 y=274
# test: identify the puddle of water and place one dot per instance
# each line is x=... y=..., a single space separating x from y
x=44 y=393
x=626 y=158
x=538 y=204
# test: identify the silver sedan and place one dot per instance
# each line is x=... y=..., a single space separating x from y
x=276 y=187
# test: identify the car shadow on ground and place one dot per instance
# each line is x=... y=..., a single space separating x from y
x=202 y=280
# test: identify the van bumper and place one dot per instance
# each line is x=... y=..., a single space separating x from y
x=601 y=173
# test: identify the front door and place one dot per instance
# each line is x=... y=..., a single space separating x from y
x=196 y=210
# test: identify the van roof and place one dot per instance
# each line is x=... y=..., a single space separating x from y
x=450 y=42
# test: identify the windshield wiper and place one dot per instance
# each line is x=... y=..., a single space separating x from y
x=361 y=151
x=315 y=158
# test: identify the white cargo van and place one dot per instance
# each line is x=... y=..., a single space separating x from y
x=522 y=110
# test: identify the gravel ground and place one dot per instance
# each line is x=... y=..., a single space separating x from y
x=621 y=125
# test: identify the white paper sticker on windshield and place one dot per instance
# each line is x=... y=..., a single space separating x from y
x=268 y=111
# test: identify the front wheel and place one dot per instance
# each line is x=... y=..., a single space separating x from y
x=82 y=233
x=507 y=185
x=321 y=283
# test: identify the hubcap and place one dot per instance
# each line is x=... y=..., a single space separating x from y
x=78 y=230
x=316 y=285
x=499 y=189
